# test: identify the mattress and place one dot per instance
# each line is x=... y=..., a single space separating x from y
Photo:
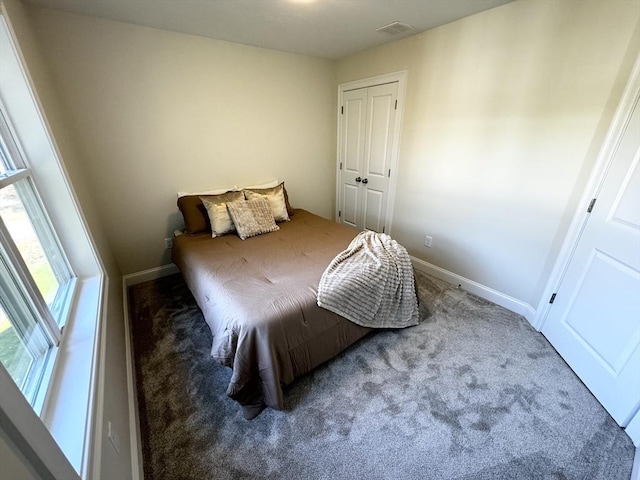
x=258 y=297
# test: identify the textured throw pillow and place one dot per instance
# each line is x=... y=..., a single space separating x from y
x=252 y=217
x=219 y=217
x=266 y=191
x=276 y=201
x=196 y=218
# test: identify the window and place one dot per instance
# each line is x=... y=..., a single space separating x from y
x=36 y=281
x=53 y=286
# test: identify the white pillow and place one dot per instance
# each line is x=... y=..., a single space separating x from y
x=218 y=191
x=208 y=192
x=271 y=184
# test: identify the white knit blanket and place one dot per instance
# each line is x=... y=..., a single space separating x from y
x=371 y=283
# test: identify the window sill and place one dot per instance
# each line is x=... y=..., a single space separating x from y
x=68 y=408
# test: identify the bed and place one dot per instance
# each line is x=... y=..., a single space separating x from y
x=258 y=297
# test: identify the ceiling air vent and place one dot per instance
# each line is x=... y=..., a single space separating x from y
x=395 y=28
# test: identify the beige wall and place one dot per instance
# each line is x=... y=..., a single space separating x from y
x=115 y=374
x=13 y=465
x=504 y=113
x=156 y=112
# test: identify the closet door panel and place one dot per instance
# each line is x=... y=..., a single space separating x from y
x=366 y=147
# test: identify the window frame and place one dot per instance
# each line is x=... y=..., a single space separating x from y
x=72 y=404
x=19 y=174
x=18 y=283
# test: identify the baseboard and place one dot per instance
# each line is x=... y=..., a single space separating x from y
x=499 y=298
x=633 y=429
x=135 y=439
x=137 y=472
x=150 y=274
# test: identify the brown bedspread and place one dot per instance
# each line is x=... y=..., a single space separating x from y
x=258 y=297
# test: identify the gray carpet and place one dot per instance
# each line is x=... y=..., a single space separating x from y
x=473 y=392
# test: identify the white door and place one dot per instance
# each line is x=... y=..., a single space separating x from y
x=354 y=124
x=366 y=149
x=594 y=322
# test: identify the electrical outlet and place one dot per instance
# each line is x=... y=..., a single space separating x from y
x=427 y=241
x=168 y=243
x=113 y=436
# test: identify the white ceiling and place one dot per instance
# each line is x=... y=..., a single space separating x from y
x=322 y=28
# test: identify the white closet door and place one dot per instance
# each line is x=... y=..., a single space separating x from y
x=365 y=154
x=594 y=321
x=354 y=117
x=381 y=116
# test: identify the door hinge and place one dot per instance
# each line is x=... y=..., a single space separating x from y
x=591 y=204
x=389 y=173
x=383 y=229
x=341 y=110
x=552 y=299
x=396 y=107
x=339 y=213
x=340 y=165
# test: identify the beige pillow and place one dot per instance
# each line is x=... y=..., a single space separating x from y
x=276 y=201
x=219 y=217
x=265 y=191
x=252 y=217
x=196 y=218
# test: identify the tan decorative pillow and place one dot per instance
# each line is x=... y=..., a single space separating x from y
x=252 y=217
x=219 y=217
x=196 y=218
x=276 y=201
x=266 y=191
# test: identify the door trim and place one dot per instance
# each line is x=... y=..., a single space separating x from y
x=630 y=96
x=401 y=78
